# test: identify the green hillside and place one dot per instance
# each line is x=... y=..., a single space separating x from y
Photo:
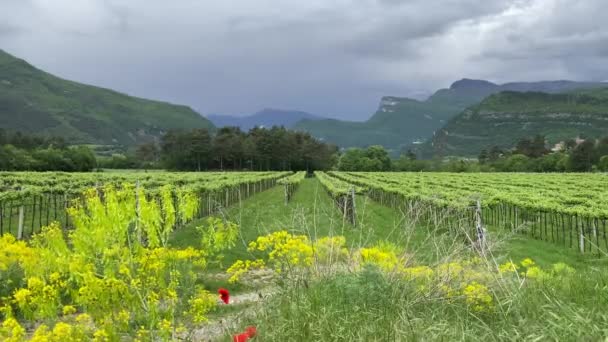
x=34 y=101
x=399 y=122
x=503 y=119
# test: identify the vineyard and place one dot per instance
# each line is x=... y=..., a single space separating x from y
x=567 y=209
x=141 y=256
x=29 y=201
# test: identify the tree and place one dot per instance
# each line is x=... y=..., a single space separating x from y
x=351 y=160
x=147 y=153
x=601 y=149
x=603 y=164
x=581 y=158
x=516 y=163
x=200 y=148
x=495 y=154
x=484 y=157
x=410 y=154
x=82 y=158
x=533 y=148
x=380 y=156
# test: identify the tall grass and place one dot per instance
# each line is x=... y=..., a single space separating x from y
x=356 y=302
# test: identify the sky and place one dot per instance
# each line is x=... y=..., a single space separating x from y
x=335 y=58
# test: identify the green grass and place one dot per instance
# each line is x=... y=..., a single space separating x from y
x=312 y=212
x=367 y=304
x=518 y=247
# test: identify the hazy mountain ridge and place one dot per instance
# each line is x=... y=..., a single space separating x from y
x=34 y=101
x=399 y=122
x=267 y=118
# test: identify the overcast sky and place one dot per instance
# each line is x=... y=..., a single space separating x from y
x=328 y=57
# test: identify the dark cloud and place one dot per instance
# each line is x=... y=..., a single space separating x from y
x=328 y=57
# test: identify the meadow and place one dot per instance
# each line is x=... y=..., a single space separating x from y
x=335 y=257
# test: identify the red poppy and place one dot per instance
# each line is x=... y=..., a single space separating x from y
x=224 y=295
x=250 y=332
x=244 y=337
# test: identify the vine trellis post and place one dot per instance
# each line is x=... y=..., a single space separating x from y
x=479 y=229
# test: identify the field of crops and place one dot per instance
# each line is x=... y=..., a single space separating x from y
x=146 y=253
x=29 y=201
x=569 y=209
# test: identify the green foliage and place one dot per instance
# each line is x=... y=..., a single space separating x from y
x=561 y=304
x=569 y=194
x=20 y=151
x=258 y=149
x=603 y=164
x=113 y=270
x=373 y=158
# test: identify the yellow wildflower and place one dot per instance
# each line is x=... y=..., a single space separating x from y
x=527 y=262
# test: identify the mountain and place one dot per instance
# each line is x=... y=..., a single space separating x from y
x=34 y=101
x=504 y=118
x=400 y=122
x=266 y=118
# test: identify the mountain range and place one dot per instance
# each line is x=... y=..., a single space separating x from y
x=400 y=122
x=265 y=118
x=461 y=120
x=504 y=118
x=34 y=101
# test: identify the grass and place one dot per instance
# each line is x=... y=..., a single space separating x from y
x=313 y=213
x=374 y=305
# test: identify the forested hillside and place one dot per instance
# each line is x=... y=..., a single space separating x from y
x=34 y=101
x=503 y=119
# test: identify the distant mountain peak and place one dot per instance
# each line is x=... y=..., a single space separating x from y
x=266 y=117
x=467 y=83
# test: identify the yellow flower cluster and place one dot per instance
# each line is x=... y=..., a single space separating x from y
x=39 y=300
x=241 y=267
x=478 y=297
x=14 y=252
x=532 y=271
x=508 y=267
x=422 y=273
x=113 y=270
x=381 y=257
x=284 y=250
x=11 y=330
x=200 y=305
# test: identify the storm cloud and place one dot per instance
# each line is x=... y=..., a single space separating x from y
x=329 y=57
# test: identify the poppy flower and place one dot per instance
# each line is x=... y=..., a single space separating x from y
x=250 y=332
x=224 y=295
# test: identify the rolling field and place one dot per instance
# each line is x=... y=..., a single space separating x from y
x=340 y=256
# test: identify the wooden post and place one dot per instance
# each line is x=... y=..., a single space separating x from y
x=137 y=228
x=353 y=211
x=480 y=230
x=1 y=218
x=581 y=239
x=21 y=218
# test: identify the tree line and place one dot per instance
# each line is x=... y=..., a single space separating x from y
x=24 y=152
x=230 y=148
x=528 y=155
